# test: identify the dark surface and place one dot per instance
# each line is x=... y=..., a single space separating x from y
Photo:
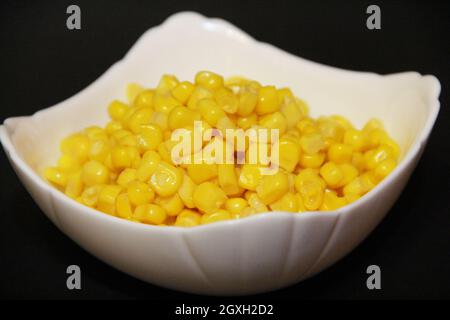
x=43 y=63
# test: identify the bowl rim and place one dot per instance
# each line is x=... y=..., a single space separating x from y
x=8 y=127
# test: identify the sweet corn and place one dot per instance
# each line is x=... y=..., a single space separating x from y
x=332 y=174
x=235 y=205
x=186 y=191
x=249 y=177
x=209 y=80
x=288 y=202
x=123 y=206
x=340 y=153
x=227 y=179
x=219 y=215
x=127 y=169
x=208 y=197
x=188 y=218
x=166 y=179
x=139 y=193
x=173 y=205
x=94 y=172
x=210 y=111
x=117 y=110
x=150 y=214
x=107 y=198
x=267 y=100
x=143 y=99
x=56 y=176
x=272 y=187
x=183 y=91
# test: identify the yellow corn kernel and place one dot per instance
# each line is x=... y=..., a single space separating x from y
x=351 y=197
x=395 y=149
x=149 y=137
x=267 y=100
x=306 y=126
x=160 y=119
x=340 y=153
x=173 y=205
x=249 y=176
x=67 y=163
x=166 y=179
x=375 y=156
x=312 y=143
x=235 y=205
x=376 y=136
x=208 y=197
x=141 y=116
x=74 y=185
x=312 y=160
x=310 y=186
x=384 y=168
x=210 y=111
x=201 y=172
x=117 y=110
x=331 y=201
x=332 y=174
x=167 y=83
x=123 y=206
x=188 y=218
x=198 y=94
x=358 y=161
x=76 y=146
x=96 y=133
x=330 y=129
x=183 y=91
x=301 y=206
x=227 y=179
x=289 y=154
x=292 y=113
x=246 y=122
x=288 y=202
x=164 y=103
x=285 y=96
x=256 y=203
x=99 y=150
x=357 y=139
x=274 y=120
x=186 y=191
x=107 y=198
x=219 y=215
x=150 y=214
x=148 y=165
x=181 y=117
x=144 y=99
x=359 y=186
x=140 y=193
x=94 y=172
x=89 y=196
x=349 y=171
x=226 y=100
x=122 y=157
x=247 y=103
x=113 y=126
x=272 y=187
x=126 y=176
x=209 y=80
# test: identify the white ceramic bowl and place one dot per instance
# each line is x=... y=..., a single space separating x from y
x=252 y=255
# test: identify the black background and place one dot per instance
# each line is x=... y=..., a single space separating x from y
x=43 y=63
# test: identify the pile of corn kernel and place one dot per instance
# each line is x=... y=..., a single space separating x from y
x=125 y=168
